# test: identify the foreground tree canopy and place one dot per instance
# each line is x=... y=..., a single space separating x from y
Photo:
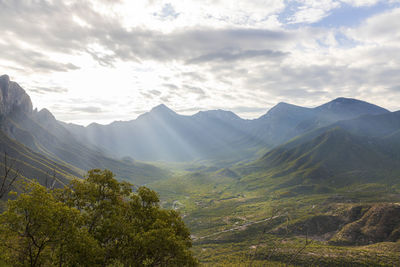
x=94 y=222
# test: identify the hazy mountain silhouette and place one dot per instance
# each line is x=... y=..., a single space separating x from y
x=162 y=134
x=42 y=133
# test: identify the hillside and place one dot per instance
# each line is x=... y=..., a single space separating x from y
x=32 y=165
x=386 y=126
x=42 y=133
x=335 y=158
x=378 y=223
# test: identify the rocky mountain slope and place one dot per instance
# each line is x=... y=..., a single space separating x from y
x=42 y=133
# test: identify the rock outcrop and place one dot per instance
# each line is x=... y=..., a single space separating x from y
x=13 y=98
x=379 y=224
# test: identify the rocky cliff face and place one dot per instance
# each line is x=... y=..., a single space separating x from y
x=13 y=97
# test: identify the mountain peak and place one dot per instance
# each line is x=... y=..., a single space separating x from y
x=162 y=109
x=45 y=115
x=283 y=109
x=345 y=100
x=13 y=97
x=284 y=106
x=94 y=125
x=351 y=106
x=218 y=114
x=5 y=78
x=4 y=83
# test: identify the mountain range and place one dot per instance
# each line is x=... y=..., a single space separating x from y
x=343 y=141
x=162 y=134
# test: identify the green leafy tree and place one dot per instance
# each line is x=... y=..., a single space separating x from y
x=130 y=227
x=94 y=222
x=37 y=229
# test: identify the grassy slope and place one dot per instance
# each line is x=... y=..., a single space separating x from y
x=333 y=159
x=33 y=165
x=55 y=142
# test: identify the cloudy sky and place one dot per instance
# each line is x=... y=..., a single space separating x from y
x=111 y=60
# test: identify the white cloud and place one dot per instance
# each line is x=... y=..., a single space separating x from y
x=310 y=11
x=209 y=13
x=360 y=3
x=382 y=29
x=109 y=60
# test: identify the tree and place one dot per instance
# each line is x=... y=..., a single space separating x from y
x=38 y=230
x=94 y=222
x=130 y=227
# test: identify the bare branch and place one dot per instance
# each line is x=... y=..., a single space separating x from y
x=53 y=180
x=8 y=179
x=306 y=244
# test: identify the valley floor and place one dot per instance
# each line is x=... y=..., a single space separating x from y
x=259 y=228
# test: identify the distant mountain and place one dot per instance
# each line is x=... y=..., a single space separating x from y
x=346 y=108
x=361 y=150
x=337 y=110
x=285 y=121
x=162 y=134
x=386 y=125
x=279 y=123
x=381 y=125
x=42 y=133
x=217 y=135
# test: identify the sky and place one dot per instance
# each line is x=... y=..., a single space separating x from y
x=106 y=60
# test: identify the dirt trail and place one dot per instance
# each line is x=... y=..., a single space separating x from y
x=237 y=228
